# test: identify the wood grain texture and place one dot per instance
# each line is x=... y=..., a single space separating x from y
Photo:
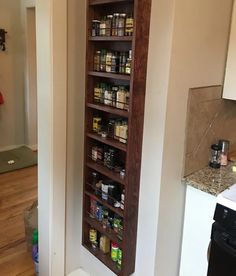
x=18 y=190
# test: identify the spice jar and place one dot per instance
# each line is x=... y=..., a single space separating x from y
x=102 y=28
x=102 y=92
x=97 y=121
x=114 y=251
x=215 y=156
x=120 y=98
x=93 y=207
x=109 y=25
x=96 y=64
x=121 y=24
x=119 y=258
x=129 y=26
x=97 y=93
x=115 y=22
x=95 y=28
x=115 y=62
x=108 y=62
x=122 y=62
x=104 y=244
x=114 y=94
x=108 y=96
x=103 y=60
x=128 y=63
x=93 y=237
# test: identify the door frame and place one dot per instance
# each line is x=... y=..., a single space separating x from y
x=51 y=32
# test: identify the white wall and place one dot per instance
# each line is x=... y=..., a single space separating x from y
x=11 y=76
x=30 y=71
x=198 y=59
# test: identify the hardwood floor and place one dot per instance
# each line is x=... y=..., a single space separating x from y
x=18 y=190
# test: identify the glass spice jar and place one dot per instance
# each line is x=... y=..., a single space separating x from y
x=102 y=27
x=129 y=25
x=120 y=98
x=109 y=25
x=102 y=92
x=115 y=24
x=128 y=63
x=114 y=93
x=95 y=28
x=97 y=93
x=121 y=24
x=96 y=66
x=122 y=62
x=115 y=63
x=103 y=60
x=108 y=62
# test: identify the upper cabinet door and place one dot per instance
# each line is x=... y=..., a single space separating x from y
x=229 y=91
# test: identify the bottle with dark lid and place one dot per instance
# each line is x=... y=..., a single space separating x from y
x=215 y=156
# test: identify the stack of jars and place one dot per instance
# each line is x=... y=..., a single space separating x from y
x=116 y=96
x=118 y=24
x=113 y=61
x=113 y=128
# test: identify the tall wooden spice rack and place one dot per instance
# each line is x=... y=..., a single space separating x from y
x=129 y=152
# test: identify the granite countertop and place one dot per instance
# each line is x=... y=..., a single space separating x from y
x=212 y=181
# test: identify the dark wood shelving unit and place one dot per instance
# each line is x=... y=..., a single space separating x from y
x=105 y=171
x=109 y=75
x=104 y=258
x=109 y=109
x=102 y=2
x=130 y=153
x=118 y=211
x=97 y=225
x=108 y=141
x=110 y=38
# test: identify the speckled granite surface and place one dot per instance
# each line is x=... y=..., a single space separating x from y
x=212 y=181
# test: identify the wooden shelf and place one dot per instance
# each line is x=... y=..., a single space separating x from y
x=109 y=109
x=108 y=141
x=130 y=154
x=118 y=211
x=109 y=75
x=102 y=2
x=104 y=258
x=105 y=171
x=111 y=38
x=98 y=226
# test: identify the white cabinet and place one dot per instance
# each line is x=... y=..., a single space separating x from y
x=229 y=91
x=198 y=219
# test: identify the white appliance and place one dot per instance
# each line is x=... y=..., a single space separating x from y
x=228 y=198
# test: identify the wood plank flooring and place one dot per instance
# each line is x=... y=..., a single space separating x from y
x=18 y=190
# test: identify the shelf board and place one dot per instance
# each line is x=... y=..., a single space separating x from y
x=98 y=226
x=109 y=75
x=108 y=141
x=104 y=258
x=102 y=2
x=105 y=171
x=118 y=211
x=111 y=38
x=109 y=109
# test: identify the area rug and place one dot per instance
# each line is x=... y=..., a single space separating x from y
x=16 y=159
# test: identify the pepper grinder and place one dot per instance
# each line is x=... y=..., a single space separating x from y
x=215 y=156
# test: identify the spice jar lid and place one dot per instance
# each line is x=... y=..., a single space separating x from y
x=216 y=147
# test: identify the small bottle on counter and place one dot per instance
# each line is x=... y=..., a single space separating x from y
x=224 y=152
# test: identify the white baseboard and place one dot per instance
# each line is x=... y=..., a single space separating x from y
x=79 y=272
x=32 y=147
x=10 y=147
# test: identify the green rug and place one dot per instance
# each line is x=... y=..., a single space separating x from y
x=16 y=159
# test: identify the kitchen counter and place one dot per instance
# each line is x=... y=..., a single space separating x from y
x=212 y=181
